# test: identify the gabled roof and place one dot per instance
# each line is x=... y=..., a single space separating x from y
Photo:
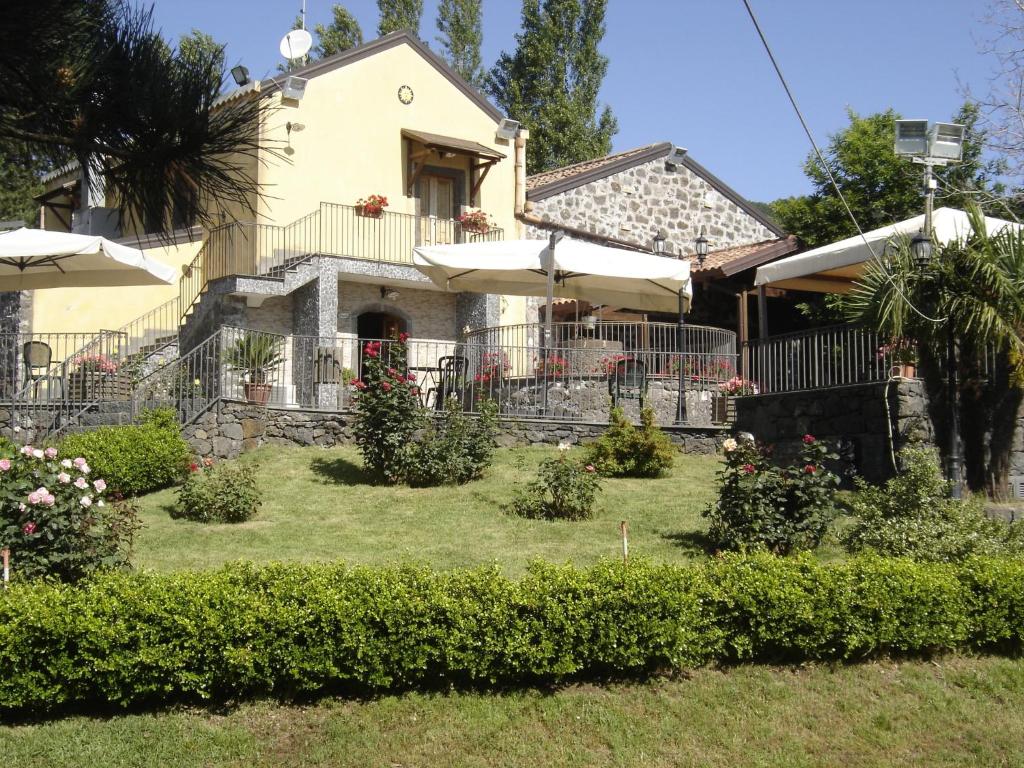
x=550 y=183
x=338 y=60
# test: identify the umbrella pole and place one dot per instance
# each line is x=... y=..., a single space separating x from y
x=680 y=344
x=548 y=335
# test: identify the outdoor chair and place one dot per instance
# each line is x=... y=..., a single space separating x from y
x=37 y=356
x=451 y=375
x=628 y=381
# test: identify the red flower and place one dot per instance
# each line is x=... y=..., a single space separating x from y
x=808 y=439
x=208 y=462
x=748 y=468
x=386 y=386
x=193 y=467
x=28 y=528
x=810 y=469
x=403 y=337
x=414 y=390
x=358 y=384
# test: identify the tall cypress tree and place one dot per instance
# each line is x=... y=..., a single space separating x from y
x=343 y=33
x=550 y=83
x=459 y=22
x=399 y=14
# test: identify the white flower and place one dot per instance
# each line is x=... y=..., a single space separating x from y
x=99 y=503
x=84 y=469
x=66 y=463
x=565 y=445
x=64 y=477
x=729 y=445
x=17 y=430
x=86 y=501
x=37 y=453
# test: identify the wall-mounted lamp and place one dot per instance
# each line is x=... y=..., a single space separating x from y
x=240 y=74
x=658 y=243
x=700 y=246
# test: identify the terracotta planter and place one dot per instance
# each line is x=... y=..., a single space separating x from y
x=904 y=370
x=258 y=394
x=370 y=211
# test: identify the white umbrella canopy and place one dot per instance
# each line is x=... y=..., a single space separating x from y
x=833 y=268
x=36 y=258
x=595 y=273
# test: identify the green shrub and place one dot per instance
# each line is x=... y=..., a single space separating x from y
x=294 y=630
x=625 y=451
x=565 y=489
x=7 y=448
x=134 y=459
x=913 y=516
x=454 y=451
x=388 y=410
x=219 y=493
x=56 y=518
x=779 y=509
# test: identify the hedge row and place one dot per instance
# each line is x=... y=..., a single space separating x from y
x=289 y=630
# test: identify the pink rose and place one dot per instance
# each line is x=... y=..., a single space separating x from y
x=81 y=484
x=49 y=500
x=50 y=453
x=26 y=451
x=86 y=501
x=808 y=439
x=35 y=497
x=386 y=386
x=84 y=469
x=100 y=485
x=28 y=528
x=5 y=464
x=79 y=462
x=590 y=468
x=37 y=454
x=64 y=478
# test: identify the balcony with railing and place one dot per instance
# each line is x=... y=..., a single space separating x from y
x=269 y=250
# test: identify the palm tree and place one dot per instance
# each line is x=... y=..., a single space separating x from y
x=973 y=290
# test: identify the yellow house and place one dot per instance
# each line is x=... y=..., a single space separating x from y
x=387 y=119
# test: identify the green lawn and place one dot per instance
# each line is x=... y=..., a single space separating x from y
x=318 y=506
x=954 y=712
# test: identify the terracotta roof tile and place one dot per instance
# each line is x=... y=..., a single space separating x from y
x=568 y=171
x=722 y=259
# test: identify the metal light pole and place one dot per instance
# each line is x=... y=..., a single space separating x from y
x=939 y=144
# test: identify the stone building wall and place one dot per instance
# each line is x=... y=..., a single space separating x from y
x=635 y=203
x=235 y=427
x=429 y=314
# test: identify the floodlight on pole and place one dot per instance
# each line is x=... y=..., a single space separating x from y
x=240 y=75
x=936 y=145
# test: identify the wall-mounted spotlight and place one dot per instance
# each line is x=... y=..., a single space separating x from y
x=507 y=129
x=240 y=74
x=675 y=158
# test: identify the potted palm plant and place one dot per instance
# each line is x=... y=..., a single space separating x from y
x=254 y=355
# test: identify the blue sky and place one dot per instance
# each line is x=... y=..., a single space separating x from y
x=693 y=71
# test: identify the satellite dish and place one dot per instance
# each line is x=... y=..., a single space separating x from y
x=296 y=44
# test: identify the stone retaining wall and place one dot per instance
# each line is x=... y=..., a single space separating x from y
x=237 y=426
x=858 y=419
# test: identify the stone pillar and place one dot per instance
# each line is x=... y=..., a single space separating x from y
x=476 y=310
x=315 y=314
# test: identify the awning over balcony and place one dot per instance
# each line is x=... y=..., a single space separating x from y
x=833 y=268
x=434 y=142
x=442 y=144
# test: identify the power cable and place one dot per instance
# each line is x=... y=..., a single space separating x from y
x=826 y=166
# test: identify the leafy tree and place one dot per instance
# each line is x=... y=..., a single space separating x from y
x=20 y=171
x=399 y=14
x=879 y=186
x=551 y=82
x=199 y=46
x=343 y=33
x=92 y=81
x=973 y=291
x=460 y=24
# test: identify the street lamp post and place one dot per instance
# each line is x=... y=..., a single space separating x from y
x=936 y=145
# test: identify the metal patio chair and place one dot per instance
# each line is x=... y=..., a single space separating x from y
x=37 y=356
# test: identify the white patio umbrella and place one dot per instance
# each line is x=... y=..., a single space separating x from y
x=833 y=268
x=36 y=258
x=581 y=270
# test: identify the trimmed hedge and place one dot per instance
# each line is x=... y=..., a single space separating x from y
x=137 y=458
x=293 y=630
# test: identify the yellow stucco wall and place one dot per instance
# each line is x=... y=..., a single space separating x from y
x=86 y=310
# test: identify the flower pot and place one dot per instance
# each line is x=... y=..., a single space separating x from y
x=904 y=370
x=370 y=211
x=95 y=385
x=257 y=394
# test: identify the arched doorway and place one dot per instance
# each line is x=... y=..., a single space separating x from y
x=379 y=325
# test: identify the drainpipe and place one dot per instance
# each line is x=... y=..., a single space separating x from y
x=520 y=165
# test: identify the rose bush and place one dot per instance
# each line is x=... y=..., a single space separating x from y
x=565 y=489
x=56 y=517
x=224 y=492
x=779 y=509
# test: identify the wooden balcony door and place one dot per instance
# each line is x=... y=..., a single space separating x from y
x=437 y=210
